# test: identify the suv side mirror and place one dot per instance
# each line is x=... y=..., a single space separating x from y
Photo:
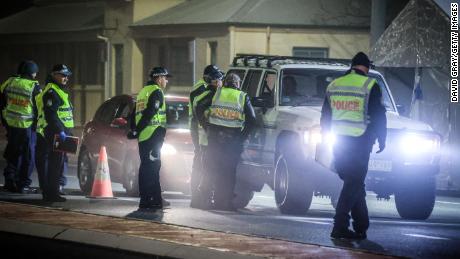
x=119 y=123
x=263 y=102
x=401 y=108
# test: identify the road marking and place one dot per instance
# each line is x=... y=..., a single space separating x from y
x=448 y=202
x=264 y=197
x=313 y=222
x=428 y=237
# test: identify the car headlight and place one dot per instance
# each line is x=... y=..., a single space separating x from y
x=314 y=137
x=168 y=149
x=417 y=143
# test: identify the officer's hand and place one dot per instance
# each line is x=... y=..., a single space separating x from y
x=62 y=135
x=381 y=148
x=132 y=134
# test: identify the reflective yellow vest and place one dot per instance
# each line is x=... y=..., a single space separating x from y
x=227 y=108
x=18 y=111
x=64 y=112
x=202 y=137
x=349 y=97
x=195 y=86
x=159 y=119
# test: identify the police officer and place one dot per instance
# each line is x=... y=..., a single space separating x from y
x=353 y=111
x=55 y=118
x=150 y=130
x=228 y=122
x=201 y=197
x=19 y=117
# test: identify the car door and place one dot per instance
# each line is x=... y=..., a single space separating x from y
x=117 y=143
x=96 y=130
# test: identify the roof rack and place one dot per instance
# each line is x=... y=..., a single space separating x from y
x=270 y=60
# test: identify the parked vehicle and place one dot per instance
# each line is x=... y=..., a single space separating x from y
x=109 y=128
x=288 y=93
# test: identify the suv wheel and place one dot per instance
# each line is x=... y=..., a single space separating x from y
x=131 y=178
x=416 y=201
x=85 y=171
x=293 y=191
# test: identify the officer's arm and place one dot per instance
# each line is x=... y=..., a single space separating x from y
x=153 y=105
x=326 y=116
x=3 y=100
x=377 y=117
x=35 y=92
x=51 y=103
x=250 y=117
x=201 y=108
x=195 y=93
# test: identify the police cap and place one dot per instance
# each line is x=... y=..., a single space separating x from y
x=61 y=69
x=27 y=67
x=159 y=71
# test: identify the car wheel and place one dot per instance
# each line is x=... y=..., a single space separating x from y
x=85 y=171
x=293 y=190
x=131 y=177
x=416 y=201
x=242 y=197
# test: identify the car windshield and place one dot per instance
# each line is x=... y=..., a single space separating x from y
x=307 y=87
x=177 y=114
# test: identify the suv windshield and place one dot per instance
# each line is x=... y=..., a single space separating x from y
x=307 y=87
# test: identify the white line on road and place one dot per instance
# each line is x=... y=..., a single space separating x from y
x=428 y=237
x=313 y=222
x=448 y=202
x=264 y=197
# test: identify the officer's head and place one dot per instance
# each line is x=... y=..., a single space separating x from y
x=215 y=78
x=361 y=61
x=233 y=81
x=28 y=69
x=212 y=70
x=60 y=74
x=160 y=76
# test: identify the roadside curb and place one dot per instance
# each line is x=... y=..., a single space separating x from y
x=153 y=238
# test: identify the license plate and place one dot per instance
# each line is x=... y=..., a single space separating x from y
x=380 y=165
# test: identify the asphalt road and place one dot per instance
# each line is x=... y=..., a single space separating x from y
x=437 y=237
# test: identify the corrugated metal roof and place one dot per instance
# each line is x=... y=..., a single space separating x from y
x=354 y=13
x=55 y=18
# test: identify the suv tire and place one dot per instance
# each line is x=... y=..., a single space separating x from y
x=243 y=196
x=85 y=171
x=416 y=201
x=293 y=190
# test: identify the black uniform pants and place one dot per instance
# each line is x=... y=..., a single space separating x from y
x=50 y=166
x=197 y=173
x=351 y=161
x=223 y=154
x=149 y=170
x=18 y=156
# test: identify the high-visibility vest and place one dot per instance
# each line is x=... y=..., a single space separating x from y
x=64 y=112
x=18 y=111
x=202 y=137
x=349 y=97
x=197 y=85
x=227 y=108
x=158 y=120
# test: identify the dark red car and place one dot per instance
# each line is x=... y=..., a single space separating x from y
x=109 y=128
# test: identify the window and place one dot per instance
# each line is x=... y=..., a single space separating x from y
x=118 y=69
x=310 y=52
x=106 y=113
x=212 y=52
x=251 y=84
x=268 y=85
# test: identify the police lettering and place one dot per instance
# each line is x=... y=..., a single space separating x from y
x=19 y=102
x=346 y=105
x=225 y=114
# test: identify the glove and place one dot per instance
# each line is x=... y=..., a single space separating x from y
x=62 y=135
x=132 y=134
x=381 y=147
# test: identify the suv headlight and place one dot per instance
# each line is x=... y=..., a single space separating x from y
x=314 y=137
x=411 y=143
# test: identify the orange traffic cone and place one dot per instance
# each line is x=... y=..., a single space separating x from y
x=102 y=186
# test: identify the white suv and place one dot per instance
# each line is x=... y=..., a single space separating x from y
x=287 y=94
